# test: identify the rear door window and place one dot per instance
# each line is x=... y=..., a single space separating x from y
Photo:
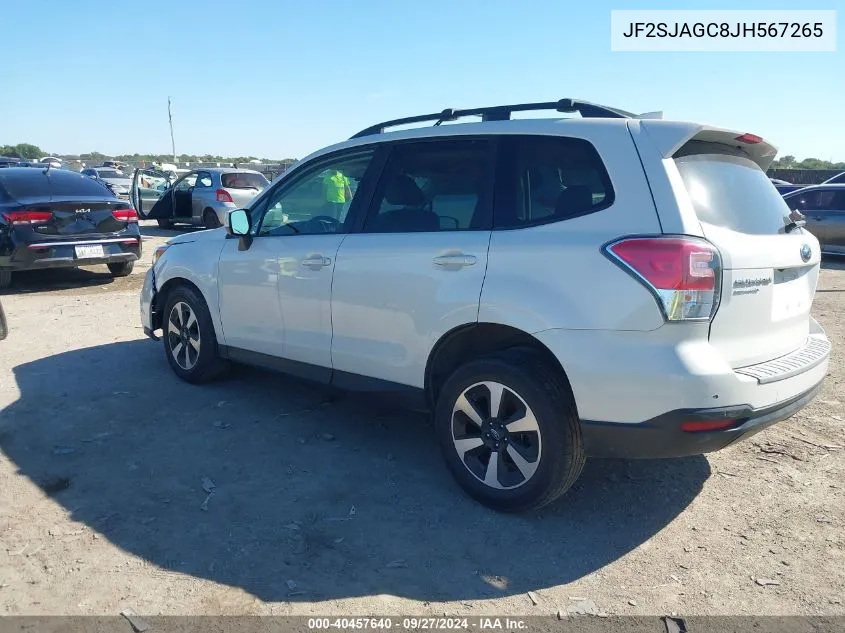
x=548 y=179
x=432 y=186
x=729 y=190
x=244 y=181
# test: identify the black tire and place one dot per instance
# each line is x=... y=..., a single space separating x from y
x=207 y=364
x=210 y=219
x=546 y=392
x=5 y=278
x=122 y=269
x=164 y=223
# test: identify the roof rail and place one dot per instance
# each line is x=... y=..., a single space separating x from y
x=503 y=113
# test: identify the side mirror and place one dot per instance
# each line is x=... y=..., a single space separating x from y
x=239 y=223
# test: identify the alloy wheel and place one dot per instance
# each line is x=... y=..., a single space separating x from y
x=496 y=435
x=183 y=335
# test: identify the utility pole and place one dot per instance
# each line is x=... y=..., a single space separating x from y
x=172 y=142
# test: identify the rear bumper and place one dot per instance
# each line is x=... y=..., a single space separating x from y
x=63 y=254
x=663 y=437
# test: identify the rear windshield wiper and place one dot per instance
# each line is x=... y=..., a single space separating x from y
x=794 y=224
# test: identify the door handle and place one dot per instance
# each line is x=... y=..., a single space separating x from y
x=454 y=261
x=316 y=261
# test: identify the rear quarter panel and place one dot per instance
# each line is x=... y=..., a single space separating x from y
x=556 y=276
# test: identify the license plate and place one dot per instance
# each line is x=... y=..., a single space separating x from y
x=90 y=251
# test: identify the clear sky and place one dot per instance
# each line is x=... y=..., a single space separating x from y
x=282 y=78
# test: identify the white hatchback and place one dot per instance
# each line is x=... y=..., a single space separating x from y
x=551 y=289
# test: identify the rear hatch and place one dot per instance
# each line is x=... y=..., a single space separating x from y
x=770 y=267
x=243 y=186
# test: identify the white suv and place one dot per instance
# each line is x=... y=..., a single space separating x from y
x=604 y=285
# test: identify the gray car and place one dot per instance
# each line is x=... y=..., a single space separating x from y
x=119 y=181
x=202 y=197
x=823 y=207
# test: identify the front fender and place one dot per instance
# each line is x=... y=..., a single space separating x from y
x=195 y=263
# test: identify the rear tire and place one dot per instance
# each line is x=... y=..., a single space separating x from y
x=210 y=219
x=534 y=433
x=190 y=343
x=123 y=269
x=164 y=223
x=5 y=278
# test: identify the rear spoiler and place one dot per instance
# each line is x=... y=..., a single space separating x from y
x=670 y=136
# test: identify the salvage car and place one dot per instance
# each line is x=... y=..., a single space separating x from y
x=609 y=285
x=201 y=197
x=56 y=218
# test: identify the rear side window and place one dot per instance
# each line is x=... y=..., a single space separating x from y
x=433 y=186
x=729 y=190
x=34 y=183
x=547 y=179
x=817 y=200
x=244 y=181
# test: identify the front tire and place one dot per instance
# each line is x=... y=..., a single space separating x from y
x=190 y=343
x=122 y=269
x=509 y=430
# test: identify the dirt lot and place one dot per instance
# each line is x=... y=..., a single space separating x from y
x=328 y=505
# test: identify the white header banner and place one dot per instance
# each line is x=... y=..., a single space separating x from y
x=723 y=30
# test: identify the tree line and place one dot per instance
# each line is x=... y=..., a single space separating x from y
x=27 y=151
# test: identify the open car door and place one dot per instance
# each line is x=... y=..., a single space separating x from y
x=148 y=194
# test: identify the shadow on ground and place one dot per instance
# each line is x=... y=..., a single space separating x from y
x=343 y=496
x=833 y=262
x=28 y=281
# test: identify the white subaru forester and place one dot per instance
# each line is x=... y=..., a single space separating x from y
x=605 y=285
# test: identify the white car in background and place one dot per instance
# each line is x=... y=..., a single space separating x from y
x=551 y=289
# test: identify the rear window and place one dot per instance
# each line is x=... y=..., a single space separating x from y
x=110 y=173
x=729 y=190
x=34 y=183
x=244 y=181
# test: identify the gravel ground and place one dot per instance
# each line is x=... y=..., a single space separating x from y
x=121 y=487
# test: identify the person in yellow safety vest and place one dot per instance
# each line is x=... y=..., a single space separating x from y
x=338 y=192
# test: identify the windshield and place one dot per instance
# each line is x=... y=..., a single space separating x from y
x=729 y=190
x=244 y=181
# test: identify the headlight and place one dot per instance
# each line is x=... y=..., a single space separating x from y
x=158 y=253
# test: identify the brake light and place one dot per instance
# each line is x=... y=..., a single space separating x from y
x=683 y=273
x=125 y=215
x=223 y=196
x=28 y=217
x=698 y=426
x=751 y=139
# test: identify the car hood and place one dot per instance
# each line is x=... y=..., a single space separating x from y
x=209 y=235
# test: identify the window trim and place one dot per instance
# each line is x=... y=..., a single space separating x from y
x=487 y=185
x=305 y=170
x=505 y=189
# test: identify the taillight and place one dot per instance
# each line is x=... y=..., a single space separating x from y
x=125 y=215
x=751 y=139
x=684 y=273
x=28 y=217
x=223 y=196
